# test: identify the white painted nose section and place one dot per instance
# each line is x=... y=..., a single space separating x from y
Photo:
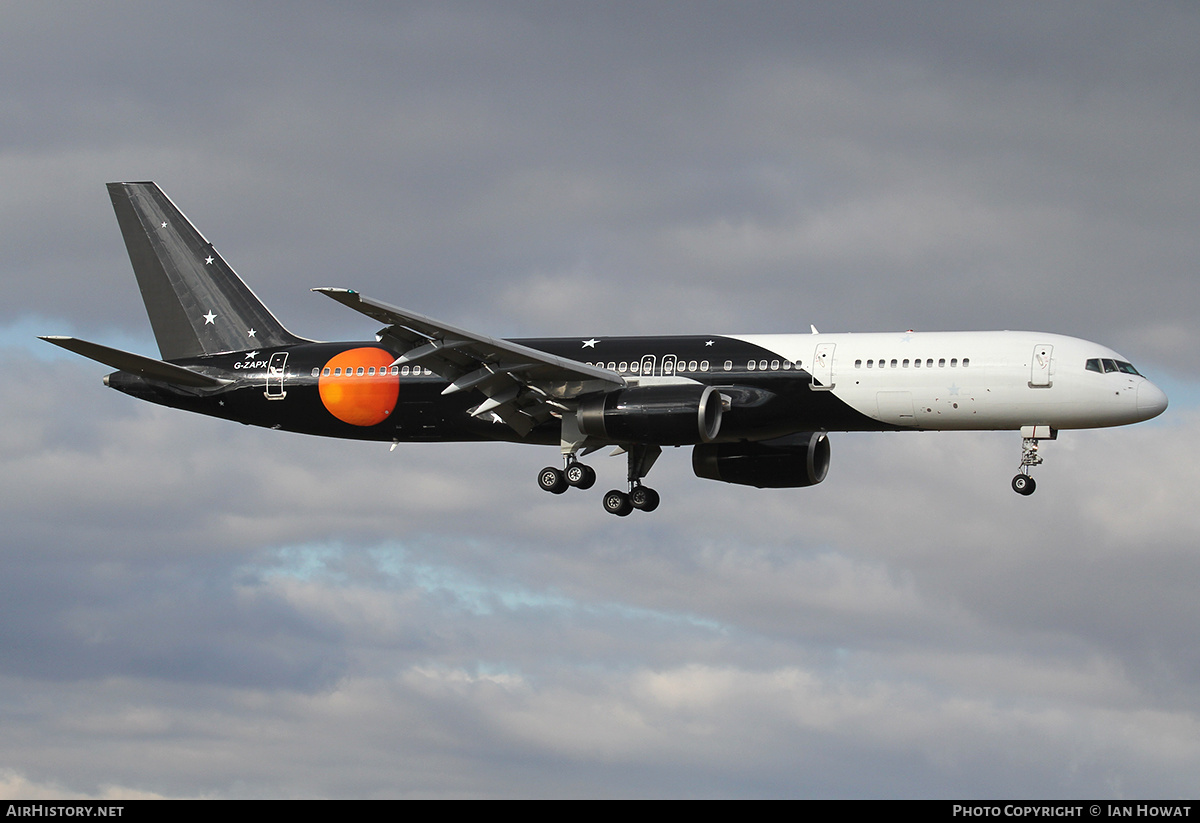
x=1151 y=400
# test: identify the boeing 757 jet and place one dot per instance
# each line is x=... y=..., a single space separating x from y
x=755 y=408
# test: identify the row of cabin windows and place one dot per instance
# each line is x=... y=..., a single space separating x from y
x=703 y=365
x=370 y=371
x=635 y=367
x=916 y=364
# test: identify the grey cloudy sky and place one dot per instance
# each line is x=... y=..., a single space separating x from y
x=193 y=608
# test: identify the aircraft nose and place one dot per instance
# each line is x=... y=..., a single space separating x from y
x=1151 y=400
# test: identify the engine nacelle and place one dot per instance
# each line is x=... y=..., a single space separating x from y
x=670 y=415
x=789 y=462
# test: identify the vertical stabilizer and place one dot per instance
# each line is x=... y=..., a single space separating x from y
x=196 y=302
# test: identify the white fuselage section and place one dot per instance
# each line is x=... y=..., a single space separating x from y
x=971 y=380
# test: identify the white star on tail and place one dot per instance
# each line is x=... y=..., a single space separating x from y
x=209 y=318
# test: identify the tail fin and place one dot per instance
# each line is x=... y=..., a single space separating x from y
x=196 y=302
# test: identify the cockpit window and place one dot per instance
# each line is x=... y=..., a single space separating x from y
x=1104 y=365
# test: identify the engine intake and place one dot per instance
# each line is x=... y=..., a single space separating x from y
x=789 y=462
x=672 y=415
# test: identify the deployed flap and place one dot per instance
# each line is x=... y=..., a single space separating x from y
x=146 y=367
x=524 y=386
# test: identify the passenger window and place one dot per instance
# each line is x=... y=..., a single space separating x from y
x=692 y=365
x=858 y=364
x=395 y=369
x=942 y=363
x=787 y=365
x=316 y=372
x=966 y=362
x=622 y=367
x=337 y=371
x=703 y=365
x=929 y=363
x=953 y=362
x=905 y=364
x=728 y=365
x=893 y=363
x=325 y=372
x=870 y=364
x=762 y=365
x=750 y=365
x=916 y=364
x=371 y=370
x=635 y=367
x=774 y=365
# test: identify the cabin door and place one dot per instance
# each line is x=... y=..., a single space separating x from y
x=822 y=366
x=276 y=369
x=648 y=366
x=1039 y=369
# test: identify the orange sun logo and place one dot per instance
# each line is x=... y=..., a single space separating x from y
x=358 y=388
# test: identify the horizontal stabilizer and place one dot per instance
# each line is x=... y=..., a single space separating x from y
x=146 y=367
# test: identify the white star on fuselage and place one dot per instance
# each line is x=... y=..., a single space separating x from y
x=708 y=342
x=590 y=344
x=250 y=354
x=209 y=318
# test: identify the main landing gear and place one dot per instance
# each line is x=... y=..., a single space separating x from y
x=576 y=474
x=642 y=498
x=1024 y=483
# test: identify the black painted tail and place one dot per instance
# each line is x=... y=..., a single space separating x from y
x=196 y=302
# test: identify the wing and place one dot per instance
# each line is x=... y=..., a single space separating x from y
x=522 y=386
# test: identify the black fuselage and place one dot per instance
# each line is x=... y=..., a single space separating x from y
x=289 y=389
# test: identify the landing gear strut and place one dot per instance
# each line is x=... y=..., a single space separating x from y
x=1024 y=483
x=640 y=497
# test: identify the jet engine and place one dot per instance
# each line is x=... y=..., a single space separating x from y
x=671 y=415
x=788 y=462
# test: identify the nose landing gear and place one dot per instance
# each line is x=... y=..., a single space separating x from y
x=1024 y=483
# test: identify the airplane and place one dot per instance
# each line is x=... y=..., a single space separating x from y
x=755 y=408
